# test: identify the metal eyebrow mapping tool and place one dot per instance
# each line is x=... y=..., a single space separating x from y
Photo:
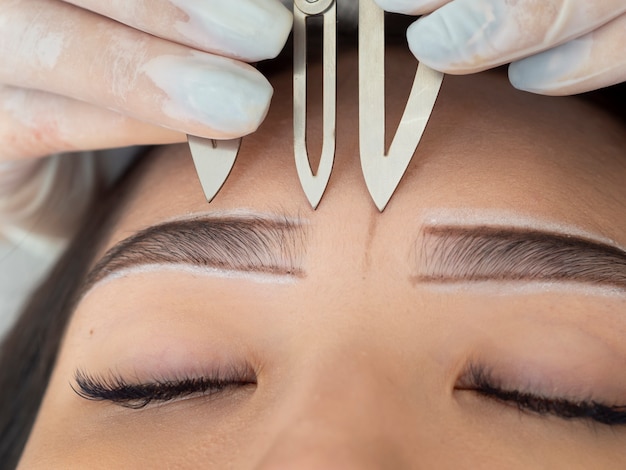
x=383 y=171
x=314 y=185
x=214 y=160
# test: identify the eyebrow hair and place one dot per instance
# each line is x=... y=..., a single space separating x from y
x=235 y=243
x=451 y=254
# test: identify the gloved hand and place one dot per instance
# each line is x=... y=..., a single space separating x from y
x=87 y=74
x=557 y=47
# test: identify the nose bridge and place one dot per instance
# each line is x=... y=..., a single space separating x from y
x=338 y=415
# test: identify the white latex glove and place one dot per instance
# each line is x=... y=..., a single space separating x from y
x=556 y=47
x=87 y=74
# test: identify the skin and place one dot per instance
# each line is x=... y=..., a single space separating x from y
x=358 y=362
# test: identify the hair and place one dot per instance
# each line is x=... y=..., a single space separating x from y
x=30 y=349
x=29 y=352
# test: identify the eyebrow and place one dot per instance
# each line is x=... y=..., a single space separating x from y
x=449 y=254
x=232 y=243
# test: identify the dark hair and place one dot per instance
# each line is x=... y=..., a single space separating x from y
x=29 y=351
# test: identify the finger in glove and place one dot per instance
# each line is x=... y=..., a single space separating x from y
x=58 y=48
x=466 y=36
x=248 y=30
x=595 y=60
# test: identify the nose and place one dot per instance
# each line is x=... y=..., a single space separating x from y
x=323 y=448
x=340 y=418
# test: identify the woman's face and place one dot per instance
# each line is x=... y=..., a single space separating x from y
x=457 y=329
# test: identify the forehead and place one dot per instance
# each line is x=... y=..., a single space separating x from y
x=489 y=152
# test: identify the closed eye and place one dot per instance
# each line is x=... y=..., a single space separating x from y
x=480 y=380
x=137 y=395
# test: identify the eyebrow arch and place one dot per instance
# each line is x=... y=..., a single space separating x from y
x=234 y=243
x=451 y=254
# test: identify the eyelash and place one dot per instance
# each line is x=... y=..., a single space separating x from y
x=479 y=379
x=136 y=396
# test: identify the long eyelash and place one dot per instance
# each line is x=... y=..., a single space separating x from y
x=118 y=390
x=479 y=379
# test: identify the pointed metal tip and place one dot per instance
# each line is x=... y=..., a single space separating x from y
x=314 y=202
x=214 y=161
x=380 y=195
x=381 y=206
x=314 y=189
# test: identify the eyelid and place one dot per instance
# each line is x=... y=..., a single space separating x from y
x=137 y=394
x=482 y=380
